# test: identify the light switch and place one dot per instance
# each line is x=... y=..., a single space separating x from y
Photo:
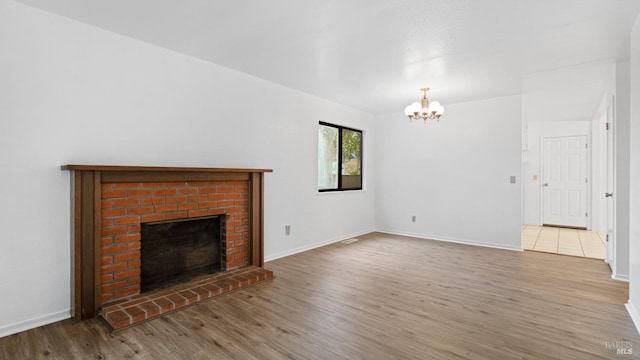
x=535 y=177
x=512 y=179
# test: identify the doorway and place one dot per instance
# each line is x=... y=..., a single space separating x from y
x=565 y=181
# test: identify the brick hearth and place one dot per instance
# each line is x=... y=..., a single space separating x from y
x=152 y=304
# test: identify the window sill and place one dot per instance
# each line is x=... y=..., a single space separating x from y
x=339 y=192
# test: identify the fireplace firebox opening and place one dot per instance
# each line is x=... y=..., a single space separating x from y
x=175 y=251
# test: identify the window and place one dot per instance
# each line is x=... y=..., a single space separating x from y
x=339 y=158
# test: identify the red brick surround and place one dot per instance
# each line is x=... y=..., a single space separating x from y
x=126 y=205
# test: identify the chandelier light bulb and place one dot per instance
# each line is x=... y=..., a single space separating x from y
x=408 y=111
x=435 y=107
x=415 y=108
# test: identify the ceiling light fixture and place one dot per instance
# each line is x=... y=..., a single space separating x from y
x=424 y=109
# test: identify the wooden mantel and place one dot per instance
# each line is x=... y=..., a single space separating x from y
x=86 y=185
x=161 y=168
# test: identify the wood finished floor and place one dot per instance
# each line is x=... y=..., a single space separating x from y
x=382 y=297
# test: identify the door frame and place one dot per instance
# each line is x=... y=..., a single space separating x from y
x=610 y=169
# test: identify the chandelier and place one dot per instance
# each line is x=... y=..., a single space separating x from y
x=424 y=109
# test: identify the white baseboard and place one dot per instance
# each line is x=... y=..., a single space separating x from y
x=620 y=277
x=453 y=240
x=633 y=312
x=297 y=250
x=34 y=323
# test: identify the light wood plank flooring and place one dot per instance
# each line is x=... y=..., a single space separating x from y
x=563 y=241
x=381 y=297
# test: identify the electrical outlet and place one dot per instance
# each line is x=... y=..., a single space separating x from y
x=287 y=230
x=413 y=218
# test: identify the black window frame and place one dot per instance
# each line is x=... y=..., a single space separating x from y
x=340 y=186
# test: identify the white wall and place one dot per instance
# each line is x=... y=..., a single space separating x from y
x=532 y=161
x=634 y=244
x=67 y=92
x=453 y=175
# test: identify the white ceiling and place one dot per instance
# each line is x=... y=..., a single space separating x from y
x=374 y=55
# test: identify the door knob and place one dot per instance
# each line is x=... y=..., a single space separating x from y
x=545 y=184
x=608 y=194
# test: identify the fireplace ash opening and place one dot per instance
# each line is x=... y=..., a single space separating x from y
x=178 y=250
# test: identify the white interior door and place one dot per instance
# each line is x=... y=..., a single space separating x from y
x=610 y=198
x=564 y=185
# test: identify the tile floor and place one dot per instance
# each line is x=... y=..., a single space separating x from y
x=573 y=242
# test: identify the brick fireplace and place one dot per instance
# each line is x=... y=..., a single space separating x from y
x=110 y=204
